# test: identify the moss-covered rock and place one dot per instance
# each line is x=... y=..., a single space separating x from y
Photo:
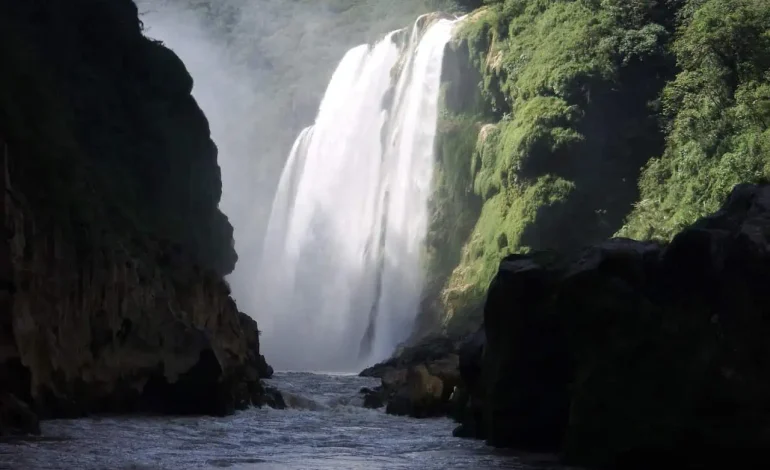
x=453 y=205
x=562 y=109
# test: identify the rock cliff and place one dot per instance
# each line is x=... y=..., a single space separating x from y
x=632 y=352
x=111 y=264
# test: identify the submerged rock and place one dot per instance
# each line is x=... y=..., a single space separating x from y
x=633 y=351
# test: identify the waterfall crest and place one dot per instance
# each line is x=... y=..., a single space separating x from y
x=341 y=276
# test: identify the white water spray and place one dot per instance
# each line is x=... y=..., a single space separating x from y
x=341 y=275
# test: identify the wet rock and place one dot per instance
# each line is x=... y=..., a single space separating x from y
x=447 y=369
x=374 y=398
x=299 y=402
x=273 y=398
x=435 y=356
x=16 y=418
x=468 y=398
x=393 y=379
x=421 y=396
x=428 y=350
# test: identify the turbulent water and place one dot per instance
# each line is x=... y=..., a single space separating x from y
x=335 y=434
x=341 y=276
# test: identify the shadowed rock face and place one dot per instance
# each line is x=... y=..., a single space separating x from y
x=16 y=418
x=632 y=352
x=111 y=295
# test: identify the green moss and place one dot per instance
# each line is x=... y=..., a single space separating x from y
x=453 y=206
x=501 y=229
x=567 y=87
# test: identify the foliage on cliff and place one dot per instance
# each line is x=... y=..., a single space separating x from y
x=113 y=141
x=716 y=114
x=570 y=89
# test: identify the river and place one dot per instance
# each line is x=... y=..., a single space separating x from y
x=327 y=429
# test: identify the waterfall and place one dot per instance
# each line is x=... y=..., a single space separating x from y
x=340 y=278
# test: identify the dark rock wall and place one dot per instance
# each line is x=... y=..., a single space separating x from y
x=111 y=264
x=106 y=115
x=631 y=353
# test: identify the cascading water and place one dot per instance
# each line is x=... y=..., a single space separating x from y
x=340 y=277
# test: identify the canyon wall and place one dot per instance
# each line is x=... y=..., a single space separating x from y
x=114 y=249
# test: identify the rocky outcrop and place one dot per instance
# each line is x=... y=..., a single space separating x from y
x=417 y=381
x=111 y=263
x=631 y=352
x=467 y=401
x=420 y=395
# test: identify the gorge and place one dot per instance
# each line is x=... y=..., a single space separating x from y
x=546 y=220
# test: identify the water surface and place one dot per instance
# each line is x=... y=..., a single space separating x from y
x=332 y=432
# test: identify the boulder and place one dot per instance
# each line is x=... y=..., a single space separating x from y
x=374 y=398
x=435 y=348
x=273 y=398
x=435 y=358
x=421 y=396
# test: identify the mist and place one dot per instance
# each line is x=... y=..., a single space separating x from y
x=233 y=86
x=260 y=69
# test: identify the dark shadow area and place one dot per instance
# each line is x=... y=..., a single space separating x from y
x=621 y=134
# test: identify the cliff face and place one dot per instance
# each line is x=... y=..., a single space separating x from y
x=105 y=116
x=564 y=123
x=111 y=295
x=630 y=353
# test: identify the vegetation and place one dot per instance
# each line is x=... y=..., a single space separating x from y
x=570 y=89
x=716 y=114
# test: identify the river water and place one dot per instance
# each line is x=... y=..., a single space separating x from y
x=327 y=429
